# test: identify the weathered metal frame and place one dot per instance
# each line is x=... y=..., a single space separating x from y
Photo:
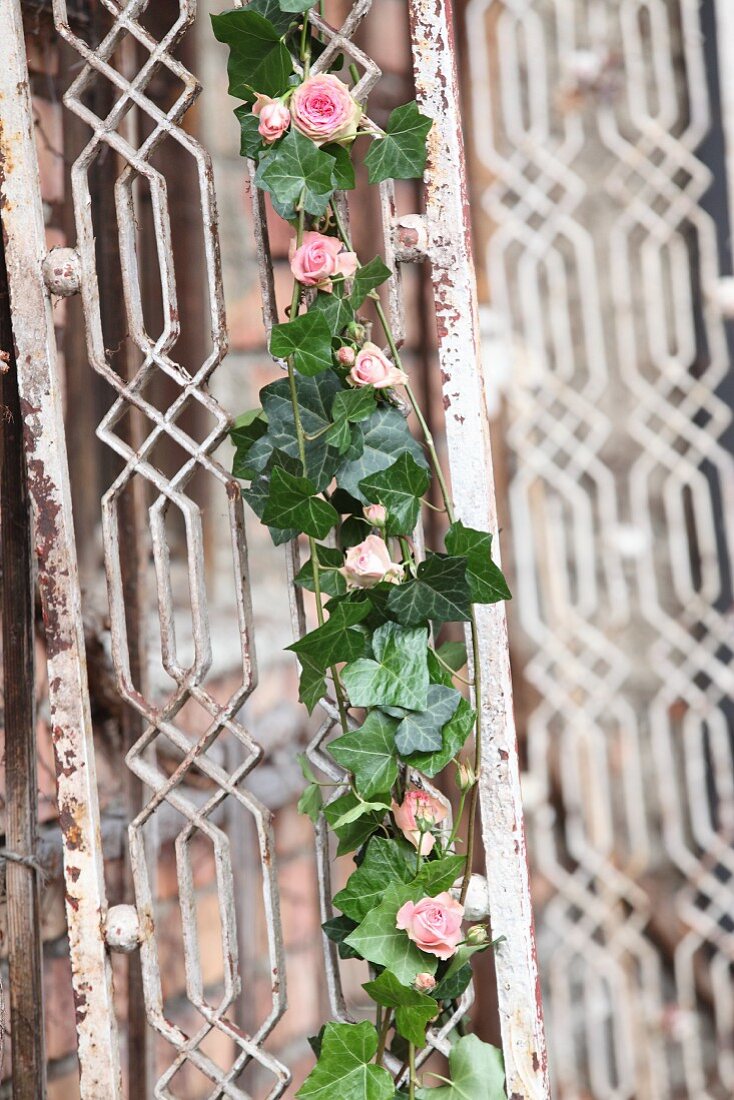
x=442 y=237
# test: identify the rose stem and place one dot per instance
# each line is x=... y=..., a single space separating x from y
x=387 y=1020
x=411 y=1064
x=301 y=439
x=448 y=504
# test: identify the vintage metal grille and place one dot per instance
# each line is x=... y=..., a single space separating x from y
x=441 y=236
x=604 y=266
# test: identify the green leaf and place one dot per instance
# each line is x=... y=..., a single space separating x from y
x=257 y=496
x=247 y=429
x=437 y=875
x=297 y=170
x=291 y=503
x=315 y=399
x=379 y=941
x=250 y=139
x=359 y=810
x=342 y=178
x=400 y=488
x=343 y=1069
x=331 y=581
x=335 y=308
x=337 y=929
x=354 y=833
x=477 y=1073
x=454 y=985
x=453 y=654
x=439 y=592
x=385 y=862
x=310 y=802
x=306 y=770
x=413 y=1010
x=369 y=754
x=486 y=580
x=420 y=731
x=453 y=737
x=401 y=154
x=383 y=438
x=398 y=675
x=273 y=12
x=338 y=639
x=367 y=278
x=308 y=339
x=258 y=59
x=350 y=406
x=296 y=5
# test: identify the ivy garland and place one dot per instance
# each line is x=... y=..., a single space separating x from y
x=329 y=456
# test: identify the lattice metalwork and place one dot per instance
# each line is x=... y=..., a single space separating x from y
x=603 y=260
x=188 y=672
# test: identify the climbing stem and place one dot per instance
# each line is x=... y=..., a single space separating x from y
x=411 y=1067
x=384 y=1028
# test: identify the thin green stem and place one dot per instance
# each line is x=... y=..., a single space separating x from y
x=457 y=820
x=447 y=666
x=383 y=1032
x=305 y=45
x=411 y=1066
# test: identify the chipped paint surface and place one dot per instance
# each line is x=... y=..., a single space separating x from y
x=48 y=477
x=467 y=431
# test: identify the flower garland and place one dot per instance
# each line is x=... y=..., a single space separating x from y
x=329 y=456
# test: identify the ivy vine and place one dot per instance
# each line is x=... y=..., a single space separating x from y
x=328 y=456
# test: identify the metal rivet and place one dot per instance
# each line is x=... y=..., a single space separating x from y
x=62 y=271
x=122 y=929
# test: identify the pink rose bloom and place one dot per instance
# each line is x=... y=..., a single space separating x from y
x=346 y=356
x=275 y=118
x=373 y=368
x=324 y=111
x=433 y=924
x=320 y=258
x=418 y=804
x=369 y=563
x=376 y=514
x=424 y=983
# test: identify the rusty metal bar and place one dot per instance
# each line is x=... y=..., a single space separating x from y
x=21 y=794
x=448 y=248
x=48 y=481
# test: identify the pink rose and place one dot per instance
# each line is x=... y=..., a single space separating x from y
x=324 y=111
x=346 y=356
x=376 y=514
x=433 y=924
x=369 y=563
x=424 y=983
x=373 y=368
x=319 y=258
x=419 y=808
x=275 y=118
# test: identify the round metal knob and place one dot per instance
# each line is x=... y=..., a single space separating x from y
x=122 y=929
x=62 y=271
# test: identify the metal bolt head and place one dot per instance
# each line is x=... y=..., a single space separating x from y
x=62 y=271
x=122 y=929
x=476 y=903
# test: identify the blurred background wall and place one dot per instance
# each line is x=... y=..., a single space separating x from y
x=600 y=203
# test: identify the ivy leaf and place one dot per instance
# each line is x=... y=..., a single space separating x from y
x=331 y=580
x=439 y=592
x=413 y=1010
x=308 y=339
x=295 y=5
x=486 y=580
x=342 y=174
x=453 y=736
x=385 y=862
x=398 y=675
x=401 y=154
x=337 y=929
x=335 y=308
x=291 y=503
x=338 y=639
x=250 y=139
x=369 y=754
x=297 y=170
x=383 y=438
x=367 y=278
x=310 y=802
x=273 y=12
x=353 y=834
x=258 y=60
x=379 y=941
x=451 y=987
x=477 y=1073
x=440 y=874
x=350 y=407
x=247 y=429
x=344 y=1069
x=420 y=731
x=257 y=496
x=400 y=488
x=359 y=810
x=453 y=654
x=315 y=398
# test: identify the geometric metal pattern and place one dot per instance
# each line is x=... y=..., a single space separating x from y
x=603 y=264
x=188 y=673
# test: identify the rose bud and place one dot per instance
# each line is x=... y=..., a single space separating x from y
x=419 y=805
x=376 y=514
x=357 y=332
x=368 y=563
x=373 y=368
x=433 y=924
x=319 y=258
x=323 y=110
x=465 y=776
x=275 y=118
x=424 y=983
x=477 y=935
x=346 y=356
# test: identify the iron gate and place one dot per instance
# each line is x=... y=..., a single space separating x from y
x=132 y=131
